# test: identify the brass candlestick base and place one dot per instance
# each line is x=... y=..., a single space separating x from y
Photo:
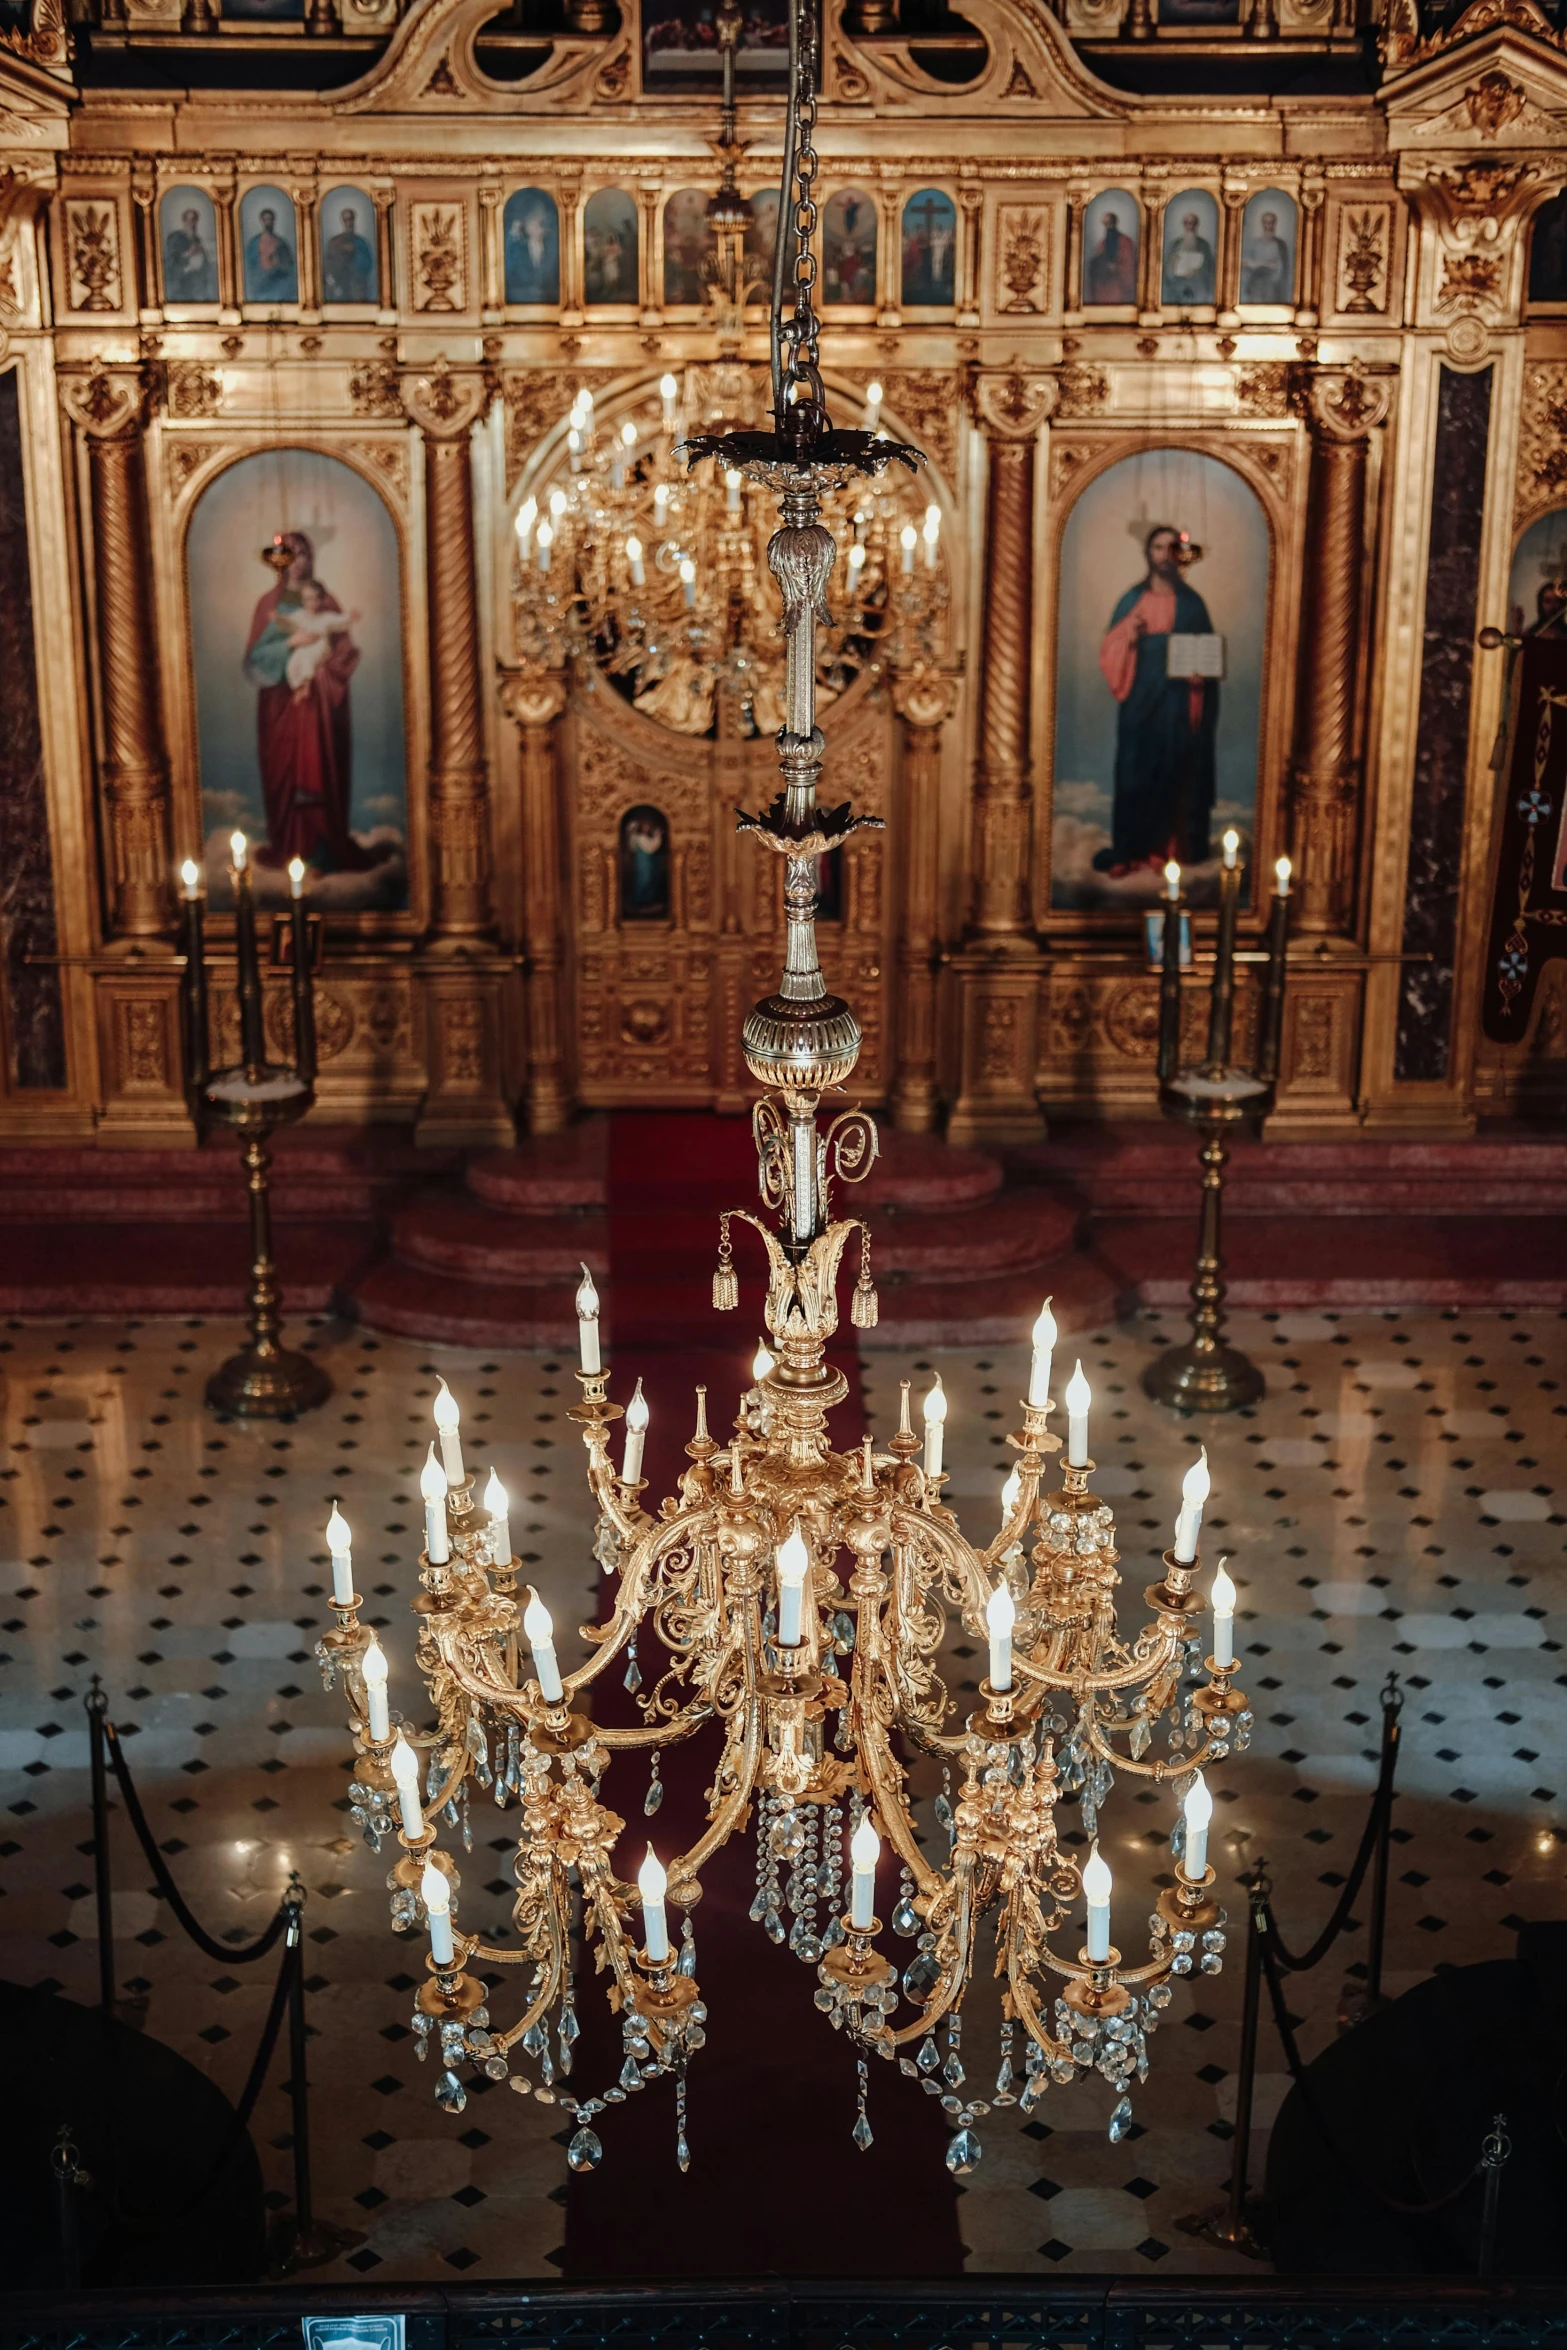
x=1207 y=1374
x=1204 y=1378
x=265 y=1380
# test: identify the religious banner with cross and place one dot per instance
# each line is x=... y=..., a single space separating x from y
x=1529 y=901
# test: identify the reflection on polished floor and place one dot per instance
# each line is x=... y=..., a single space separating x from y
x=1393 y=1504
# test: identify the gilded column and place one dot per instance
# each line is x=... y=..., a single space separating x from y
x=462 y=973
x=651 y=200
x=971 y=211
x=1313 y=189
x=491 y=257
x=1343 y=411
x=998 y=966
x=923 y=698
x=534 y=699
x=1233 y=197
x=108 y=409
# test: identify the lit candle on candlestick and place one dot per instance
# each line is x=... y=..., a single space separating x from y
x=1198 y=1811
x=197 y=1059
x=373 y=1672
x=864 y=1852
x=668 y=392
x=637 y=1417
x=931 y=535
x=437 y=1897
x=1272 y=1027
x=539 y=1630
x=1000 y=1616
x=732 y=480
x=1010 y=1493
x=498 y=1502
x=856 y=567
x=432 y=1484
x=527 y=516
x=908 y=539
x=935 y=1410
x=1096 y=1892
x=340 y=1543
x=543 y=541
x=588 y=1322
x=1221 y=1002
x=405 y=1770
x=1039 y=1366
x=761 y=1362
x=1223 y=1620
x=634 y=562
x=653 y=1884
x=574 y=449
x=1170 y=977
x=1079 y=1395
x=871 y=420
x=252 y=1038
x=661 y=508
x=300 y=975
x=447 y=1426
x=688 y=582
x=794 y=1562
x=1195 y=1488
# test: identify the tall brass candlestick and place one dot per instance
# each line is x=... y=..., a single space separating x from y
x=1273 y=997
x=1221 y=1004
x=1170 y=977
x=304 y=994
x=193 y=993
x=253 y=1043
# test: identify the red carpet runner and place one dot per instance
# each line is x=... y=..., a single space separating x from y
x=776 y=2186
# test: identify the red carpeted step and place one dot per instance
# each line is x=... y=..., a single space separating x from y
x=1085 y=1293
x=184 y=1268
x=548 y=1173
x=1360 y=1262
x=1151 y=1170
x=1007 y=1235
x=410 y=1301
x=922 y=1171
x=473 y=1241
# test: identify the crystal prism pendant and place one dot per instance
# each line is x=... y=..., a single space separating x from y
x=963 y=2153
x=653 y=1798
x=1120 y=2121
x=864 y=2137
x=450 y=2094
x=585 y=2152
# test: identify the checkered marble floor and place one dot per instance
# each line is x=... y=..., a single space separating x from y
x=1392 y=1504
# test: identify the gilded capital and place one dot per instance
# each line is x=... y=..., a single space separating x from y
x=923 y=695
x=533 y=696
x=445 y=403
x=106 y=403
x=1011 y=404
x=1346 y=403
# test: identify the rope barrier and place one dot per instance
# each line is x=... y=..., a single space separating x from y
x=229 y=1953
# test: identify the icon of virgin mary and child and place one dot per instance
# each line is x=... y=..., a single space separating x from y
x=300 y=656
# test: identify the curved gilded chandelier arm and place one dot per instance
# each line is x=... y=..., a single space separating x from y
x=957 y=1969
x=1129 y=1676
x=1173 y=1767
x=630 y=1601
x=948 y=1540
x=683 y=1725
x=885 y=1773
x=733 y=1808
x=1020 y=1992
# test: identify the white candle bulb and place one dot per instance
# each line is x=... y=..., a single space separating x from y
x=588 y=1322
x=405 y=1770
x=761 y=1362
x=237 y=850
x=793 y=1565
x=628 y=435
x=653 y=1884
x=908 y=538
x=1044 y=1348
x=539 y=1630
x=1281 y=874
x=498 y=1502
x=1000 y=1616
x=688 y=582
x=432 y=1484
x=634 y=562
x=296 y=877
x=660 y=507
x=190 y=875
x=856 y=563
x=1194 y=1492
x=1232 y=849
x=437 y=1897
x=1223 y=1619
x=1172 y=881
x=574 y=448
x=637 y=1418
x=543 y=540
x=527 y=516
x=558 y=504
x=1010 y=1491
x=447 y=1422
x=1198 y=1809
x=373 y=1672
x=732 y=480
x=668 y=392
x=935 y=1410
x=340 y=1543
x=864 y=1852
x=1079 y=1395
x=1096 y=1892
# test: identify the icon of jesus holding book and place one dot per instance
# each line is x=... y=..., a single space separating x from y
x=1165 y=723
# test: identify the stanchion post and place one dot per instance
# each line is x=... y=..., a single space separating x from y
x=298 y=2084
x=1493 y=2156
x=1392 y=1706
x=1229 y=2225
x=103 y=1886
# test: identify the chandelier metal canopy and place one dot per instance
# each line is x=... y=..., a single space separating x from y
x=800 y=1596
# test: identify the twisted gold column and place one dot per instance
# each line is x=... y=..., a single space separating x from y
x=534 y=700
x=133 y=766
x=1324 y=789
x=923 y=699
x=998 y=967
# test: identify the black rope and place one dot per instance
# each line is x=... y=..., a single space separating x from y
x=239 y=1955
x=1376 y=1822
x=1308 y=2094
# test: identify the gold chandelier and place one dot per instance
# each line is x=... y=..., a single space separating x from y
x=800 y=1597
